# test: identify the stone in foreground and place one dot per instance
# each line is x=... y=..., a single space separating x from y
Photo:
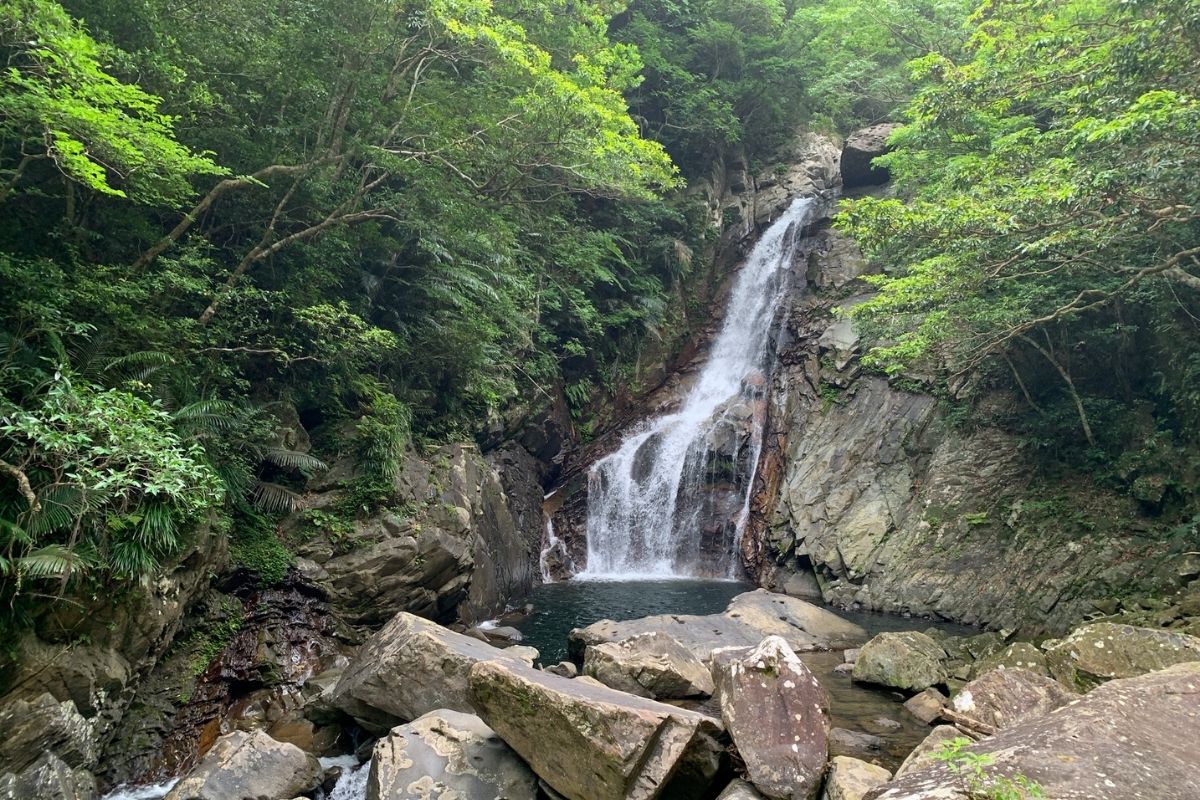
x=739 y=789
x=908 y=660
x=778 y=715
x=1130 y=739
x=1097 y=653
x=447 y=754
x=851 y=779
x=30 y=727
x=749 y=618
x=410 y=667
x=48 y=778
x=1002 y=698
x=589 y=742
x=922 y=754
x=649 y=665
x=249 y=765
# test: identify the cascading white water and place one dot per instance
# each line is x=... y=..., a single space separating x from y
x=645 y=501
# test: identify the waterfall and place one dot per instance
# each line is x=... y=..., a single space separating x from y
x=673 y=500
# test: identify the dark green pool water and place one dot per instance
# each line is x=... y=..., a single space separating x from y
x=559 y=607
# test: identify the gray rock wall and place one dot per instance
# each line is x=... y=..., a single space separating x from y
x=866 y=487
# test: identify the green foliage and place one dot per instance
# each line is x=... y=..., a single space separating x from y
x=255 y=547
x=58 y=103
x=1043 y=236
x=970 y=768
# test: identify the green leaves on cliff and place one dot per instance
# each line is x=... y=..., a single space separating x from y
x=1049 y=211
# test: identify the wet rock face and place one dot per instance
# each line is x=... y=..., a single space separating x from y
x=589 y=742
x=748 y=619
x=245 y=765
x=650 y=665
x=447 y=754
x=1002 y=698
x=408 y=668
x=860 y=149
x=908 y=660
x=1129 y=739
x=778 y=715
x=1096 y=653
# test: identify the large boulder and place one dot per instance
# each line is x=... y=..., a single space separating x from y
x=1019 y=654
x=40 y=724
x=1129 y=739
x=851 y=779
x=1097 y=653
x=1002 y=698
x=48 y=778
x=749 y=618
x=778 y=715
x=907 y=660
x=249 y=766
x=410 y=667
x=447 y=753
x=649 y=665
x=589 y=742
x=860 y=149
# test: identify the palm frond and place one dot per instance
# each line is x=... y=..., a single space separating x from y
x=51 y=561
x=140 y=365
x=60 y=506
x=273 y=497
x=157 y=529
x=292 y=459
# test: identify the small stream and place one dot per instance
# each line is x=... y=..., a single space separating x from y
x=559 y=607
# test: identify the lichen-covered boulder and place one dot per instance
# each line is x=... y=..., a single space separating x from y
x=410 y=667
x=446 y=754
x=1101 y=652
x=1130 y=739
x=649 y=665
x=922 y=754
x=907 y=660
x=778 y=715
x=851 y=779
x=590 y=742
x=1002 y=698
x=1019 y=654
x=243 y=765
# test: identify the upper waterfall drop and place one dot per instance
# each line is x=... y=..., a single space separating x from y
x=673 y=500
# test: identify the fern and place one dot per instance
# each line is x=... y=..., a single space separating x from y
x=273 y=497
x=293 y=459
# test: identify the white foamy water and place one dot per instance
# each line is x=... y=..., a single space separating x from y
x=645 y=507
x=352 y=785
x=152 y=791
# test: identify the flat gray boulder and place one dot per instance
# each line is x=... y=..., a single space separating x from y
x=590 y=742
x=1130 y=739
x=446 y=754
x=906 y=660
x=778 y=715
x=749 y=618
x=249 y=766
x=1019 y=654
x=649 y=665
x=410 y=667
x=1101 y=652
x=1002 y=698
